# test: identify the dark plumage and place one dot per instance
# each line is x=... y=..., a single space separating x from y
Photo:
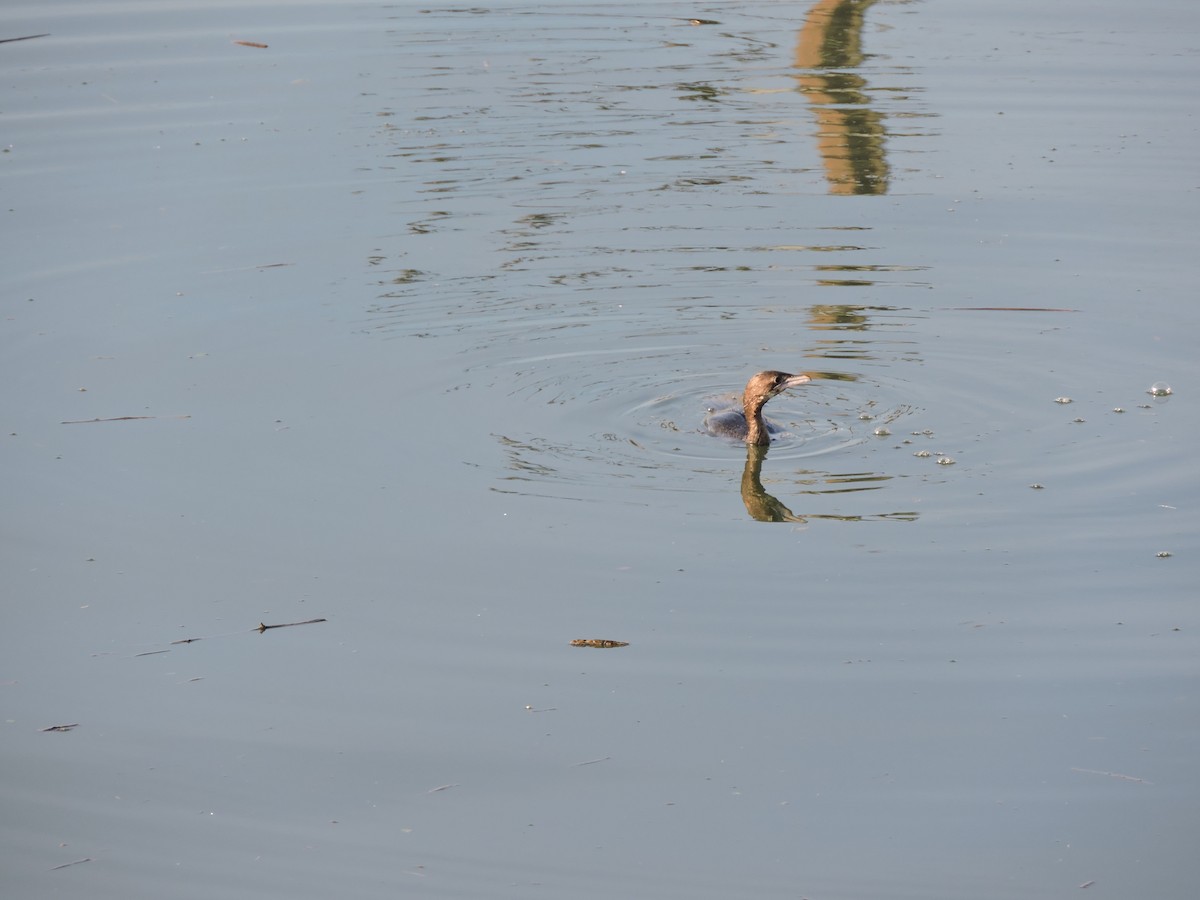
x=748 y=425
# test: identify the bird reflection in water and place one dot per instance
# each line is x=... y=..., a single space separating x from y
x=762 y=506
x=829 y=60
x=765 y=507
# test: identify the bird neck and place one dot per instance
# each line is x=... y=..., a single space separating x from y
x=756 y=428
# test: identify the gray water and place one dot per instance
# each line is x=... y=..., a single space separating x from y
x=408 y=322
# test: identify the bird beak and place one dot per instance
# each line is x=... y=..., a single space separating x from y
x=792 y=381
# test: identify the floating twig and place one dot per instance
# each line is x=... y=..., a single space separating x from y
x=251 y=44
x=444 y=787
x=245 y=268
x=597 y=642
x=28 y=37
x=1011 y=309
x=118 y=419
x=261 y=627
x=591 y=762
x=75 y=863
x=60 y=727
x=1111 y=775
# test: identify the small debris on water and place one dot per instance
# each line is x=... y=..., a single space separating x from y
x=1116 y=775
x=1063 y=400
x=73 y=863
x=597 y=642
x=592 y=762
x=1163 y=554
x=945 y=460
x=1038 y=487
x=261 y=627
x=24 y=37
x=922 y=453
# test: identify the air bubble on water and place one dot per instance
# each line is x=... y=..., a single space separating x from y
x=945 y=461
x=1063 y=400
x=882 y=431
x=1159 y=389
x=922 y=454
x=865 y=417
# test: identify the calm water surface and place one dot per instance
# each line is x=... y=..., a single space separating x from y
x=409 y=320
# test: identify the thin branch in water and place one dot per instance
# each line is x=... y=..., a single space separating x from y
x=261 y=627
x=118 y=419
x=75 y=863
x=1010 y=309
x=1117 y=775
x=247 y=268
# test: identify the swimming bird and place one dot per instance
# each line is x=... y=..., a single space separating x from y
x=748 y=424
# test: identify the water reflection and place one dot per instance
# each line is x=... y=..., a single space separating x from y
x=766 y=507
x=762 y=506
x=847 y=326
x=850 y=134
